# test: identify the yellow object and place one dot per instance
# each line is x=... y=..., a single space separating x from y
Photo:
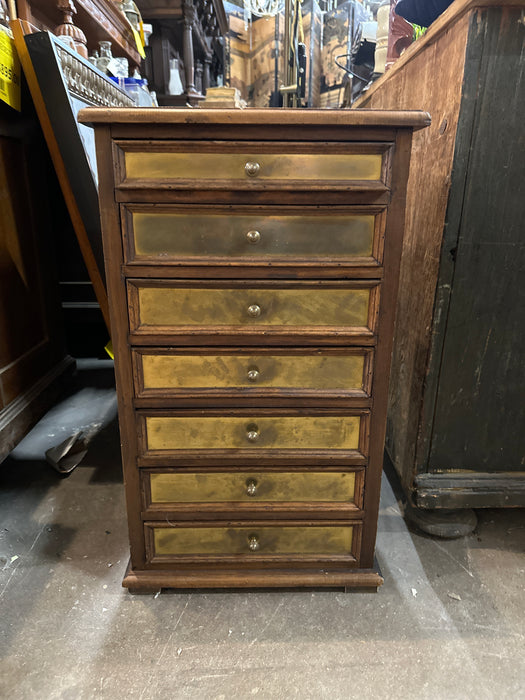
x=173 y=306
x=109 y=349
x=10 y=71
x=327 y=372
x=172 y=434
x=138 y=41
x=150 y=165
x=246 y=487
x=252 y=540
x=174 y=234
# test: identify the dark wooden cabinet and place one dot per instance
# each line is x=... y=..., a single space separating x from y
x=33 y=363
x=186 y=43
x=252 y=263
x=456 y=414
x=61 y=80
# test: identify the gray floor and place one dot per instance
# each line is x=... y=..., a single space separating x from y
x=448 y=622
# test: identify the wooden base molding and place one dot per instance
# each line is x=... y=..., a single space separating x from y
x=149 y=581
x=470 y=490
x=21 y=414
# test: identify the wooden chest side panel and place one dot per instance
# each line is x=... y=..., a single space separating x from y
x=416 y=86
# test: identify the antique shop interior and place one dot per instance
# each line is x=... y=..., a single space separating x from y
x=262 y=379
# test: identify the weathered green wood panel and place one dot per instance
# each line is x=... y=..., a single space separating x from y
x=479 y=415
x=469 y=91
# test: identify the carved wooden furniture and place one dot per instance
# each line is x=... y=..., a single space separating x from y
x=456 y=415
x=252 y=264
x=68 y=30
x=99 y=20
x=187 y=31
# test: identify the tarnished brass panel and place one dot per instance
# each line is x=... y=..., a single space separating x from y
x=253 y=540
x=233 y=432
x=238 y=166
x=314 y=487
x=166 y=235
x=175 y=306
x=271 y=371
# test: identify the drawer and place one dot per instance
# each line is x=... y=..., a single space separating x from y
x=165 y=489
x=255 y=541
x=177 y=235
x=161 y=308
x=252 y=434
x=252 y=166
x=162 y=374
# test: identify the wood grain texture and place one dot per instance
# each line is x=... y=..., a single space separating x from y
x=453 y=15
x=471 y=490
x=487 y=294
x=113 y=256
x=458 y=354
x=153 y=580
x=427 y=196
x=263 y=117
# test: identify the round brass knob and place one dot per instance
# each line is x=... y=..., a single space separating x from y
x=252 y=168
x=254 y=310
x=253 y=542
x=251 y=487
x=253 y=236
x=253 y=374
x=252 y=433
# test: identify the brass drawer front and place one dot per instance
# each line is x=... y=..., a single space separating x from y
x=169 y=433
x=252 y=168
x=166 y=236
x=317 y=372
x=252 y=540
x=319 y=307
x=249 y=487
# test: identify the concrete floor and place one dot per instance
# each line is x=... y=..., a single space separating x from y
x=448 y=622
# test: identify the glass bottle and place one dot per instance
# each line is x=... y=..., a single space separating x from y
x=105 y=56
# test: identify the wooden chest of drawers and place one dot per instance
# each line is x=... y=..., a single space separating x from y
x=252 y=264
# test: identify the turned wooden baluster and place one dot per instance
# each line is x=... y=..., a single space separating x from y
x=74 y=35
x=189 y=17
